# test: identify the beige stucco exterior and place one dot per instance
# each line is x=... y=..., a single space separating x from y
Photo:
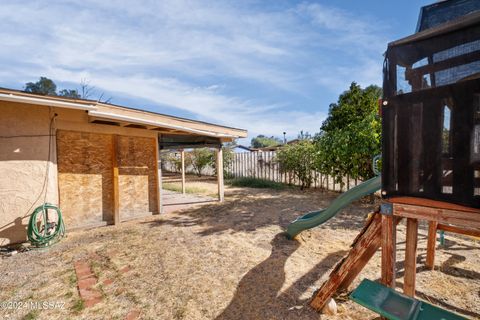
x=97 y=162
x=23 y=166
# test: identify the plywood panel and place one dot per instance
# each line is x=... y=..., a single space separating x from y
x=85 y=177
x=137 y=176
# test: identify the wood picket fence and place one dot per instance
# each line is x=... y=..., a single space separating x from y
x=263 y=165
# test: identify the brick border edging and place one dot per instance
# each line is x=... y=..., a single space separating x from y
x=86 y=281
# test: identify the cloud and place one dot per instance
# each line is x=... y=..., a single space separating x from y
x=240 y=64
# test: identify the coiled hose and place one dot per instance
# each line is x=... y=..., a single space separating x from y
x=45 y=232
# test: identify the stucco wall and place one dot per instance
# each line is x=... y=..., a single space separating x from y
x=24 y=141
x=24 y=153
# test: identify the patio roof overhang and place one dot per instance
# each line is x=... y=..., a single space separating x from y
x=109 y=114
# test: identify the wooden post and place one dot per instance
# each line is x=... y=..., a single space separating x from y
x=116 y=195
x=182 y=156
x=159 y=177
x=221 y=191
x=431 y=244
x=388 y=250
x=410 y=258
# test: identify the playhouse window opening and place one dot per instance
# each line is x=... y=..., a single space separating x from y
x=420 y=63
x=403 y=86
x=446 y=136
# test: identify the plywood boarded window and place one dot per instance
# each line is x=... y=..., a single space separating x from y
x=137 y=176
x=85 y=166
x=85 y=177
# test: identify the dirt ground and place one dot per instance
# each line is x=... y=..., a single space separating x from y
x=225 y=261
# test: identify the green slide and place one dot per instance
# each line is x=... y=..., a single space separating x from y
x=315 y=218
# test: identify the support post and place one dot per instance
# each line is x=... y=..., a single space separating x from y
x=221 y=191
x=159 y=177
x=116 y=195
x=389 y=240
x=182 y=155
x=431 y=244
x=410 y=258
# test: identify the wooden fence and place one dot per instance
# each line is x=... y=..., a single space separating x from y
x=263 y=165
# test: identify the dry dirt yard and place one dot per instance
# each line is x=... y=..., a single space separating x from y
x=225 y=261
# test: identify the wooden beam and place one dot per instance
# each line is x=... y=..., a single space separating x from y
x=116 y=195
x=117 y=113
x=431 y=244
x=389 y=241
x=464 y=231
x=445 y=216
x=221 y=191
x=362 y=250
x=182 y=156
x=423 y=202
x=410 y=258
x=159 y=176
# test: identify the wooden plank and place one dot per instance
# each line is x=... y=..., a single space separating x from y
x=106 y=111
x=432 y=204
x=410 y=258
x=388 y=250
x=182 y=157
x=464 y=231
x=158 y=168
x=431 y=244
x=242 y=165
x=116 y=194
x=362 y=249
x=444 y=216
x=221 y=191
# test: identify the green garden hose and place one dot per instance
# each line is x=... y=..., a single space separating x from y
x=45 y=232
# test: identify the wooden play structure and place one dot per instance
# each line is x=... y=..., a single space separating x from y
x=431 y=156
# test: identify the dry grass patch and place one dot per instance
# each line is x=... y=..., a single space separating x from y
x=225 y=261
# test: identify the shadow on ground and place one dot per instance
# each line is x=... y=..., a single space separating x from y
x=247 y=211
x=258 y=294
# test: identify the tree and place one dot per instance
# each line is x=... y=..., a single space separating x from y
x=262 y=141
x=298 y=159
x=351 y=135
x=200 y=158
x=46 y=86
x=43 y=86
x=352 y=106
x=304 y=135
x=228 y=156
x=69 y=93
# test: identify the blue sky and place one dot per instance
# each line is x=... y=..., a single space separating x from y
x=264 y=66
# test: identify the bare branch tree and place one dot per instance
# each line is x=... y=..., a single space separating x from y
x=104 y=101
x=88 y=90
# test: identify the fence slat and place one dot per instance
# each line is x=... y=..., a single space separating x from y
x=263 y=165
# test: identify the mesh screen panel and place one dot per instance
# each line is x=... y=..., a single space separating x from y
x=431 y=125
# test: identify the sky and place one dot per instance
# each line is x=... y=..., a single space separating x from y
x=265 y=66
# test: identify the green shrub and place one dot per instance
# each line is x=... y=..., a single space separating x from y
x=200 y=159
x=298 y=159
x=255 y=183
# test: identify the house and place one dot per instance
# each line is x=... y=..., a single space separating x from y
x=240 y=148
x=98 y=162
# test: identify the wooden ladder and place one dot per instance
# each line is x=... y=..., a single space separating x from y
x=362 y=249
